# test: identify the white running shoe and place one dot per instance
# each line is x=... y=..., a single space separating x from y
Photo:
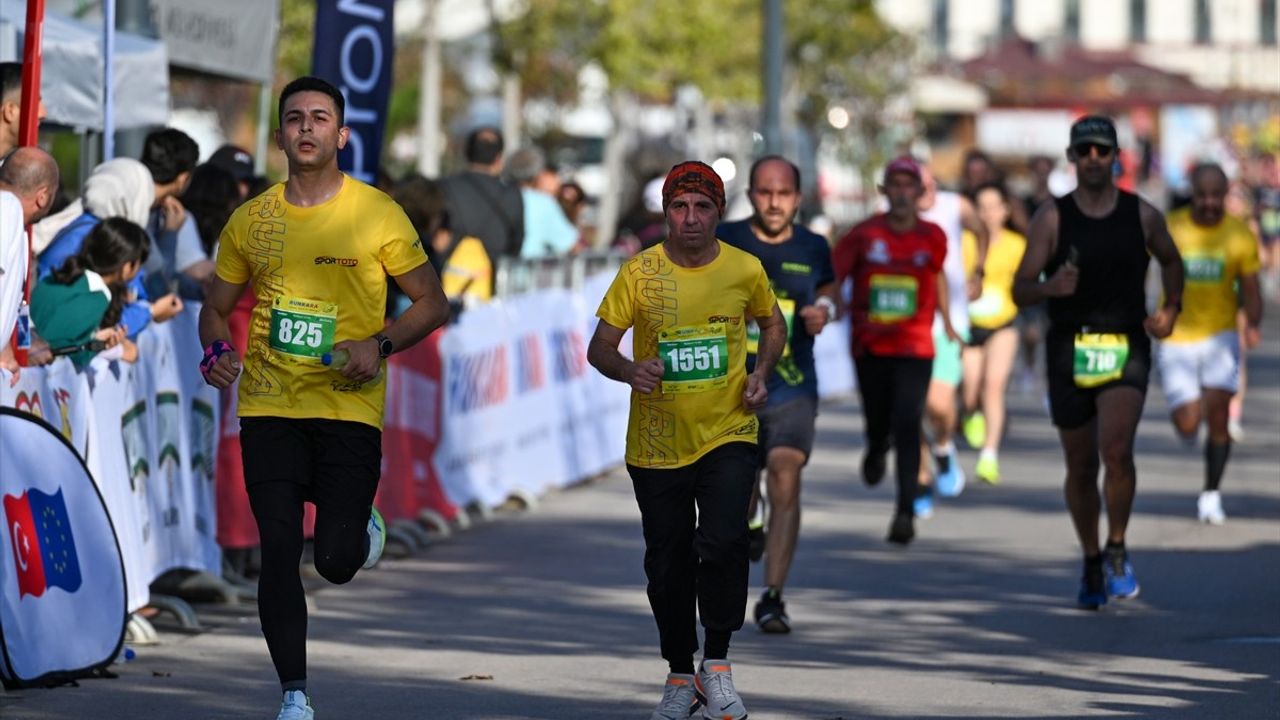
x=714 y=686
x=678 y=699
x=1210 y=508
x=377 y=530
x=296 y=706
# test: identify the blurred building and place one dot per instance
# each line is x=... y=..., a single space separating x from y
x=1185 y=79
x=1218 y=43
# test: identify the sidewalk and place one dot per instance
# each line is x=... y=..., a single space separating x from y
x=543 y=615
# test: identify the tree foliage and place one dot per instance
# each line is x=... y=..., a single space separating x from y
x=837 y=52
x=648 y=48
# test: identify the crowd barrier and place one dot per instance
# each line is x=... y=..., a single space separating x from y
x=147 y=432
x=500 y=403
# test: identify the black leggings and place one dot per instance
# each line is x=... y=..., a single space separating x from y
x=333 y=464
x=695 y=544
x=893 y=393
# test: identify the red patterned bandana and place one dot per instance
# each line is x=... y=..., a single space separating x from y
x=693 y=177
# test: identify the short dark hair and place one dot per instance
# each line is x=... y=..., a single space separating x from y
x=1210 y=167
x=168 y=153
x=484 y=145
x=10 y=79
x=751 y=177
x=313 y=84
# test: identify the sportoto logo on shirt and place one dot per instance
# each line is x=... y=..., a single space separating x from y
x=342 y=262
x=44 y=547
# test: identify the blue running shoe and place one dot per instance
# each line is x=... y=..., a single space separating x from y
x=1121 y=582
x=924 y=503
x=1093 y=593
x=950 y=478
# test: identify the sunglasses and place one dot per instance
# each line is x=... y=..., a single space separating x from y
x=1087 y=148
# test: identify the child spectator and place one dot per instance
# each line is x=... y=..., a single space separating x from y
x=77 y=307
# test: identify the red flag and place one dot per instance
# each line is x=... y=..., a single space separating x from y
x=27 y=559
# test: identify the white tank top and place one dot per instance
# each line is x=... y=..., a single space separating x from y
x=946 y=214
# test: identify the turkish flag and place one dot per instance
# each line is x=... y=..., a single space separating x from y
x=21 y=527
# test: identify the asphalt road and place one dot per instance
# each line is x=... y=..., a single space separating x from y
x=542 y=614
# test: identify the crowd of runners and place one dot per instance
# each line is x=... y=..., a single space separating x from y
x=940 y=290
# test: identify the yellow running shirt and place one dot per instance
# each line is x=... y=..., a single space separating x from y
x=694 y=318
x=468 y=273
x=319 y=275
x=1213 y=259
x=995 y=308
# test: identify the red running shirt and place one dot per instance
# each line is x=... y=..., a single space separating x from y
x=895 y=291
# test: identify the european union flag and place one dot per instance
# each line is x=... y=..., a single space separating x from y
x=57 y=543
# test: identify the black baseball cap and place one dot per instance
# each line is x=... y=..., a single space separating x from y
x=1094 y=129
x=234 y=160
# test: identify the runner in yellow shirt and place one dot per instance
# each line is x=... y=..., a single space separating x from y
x=691 y=439
x=993 y=340
x=1200 y=361
x=317 y=249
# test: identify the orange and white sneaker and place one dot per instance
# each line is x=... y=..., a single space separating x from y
x=714 y=687
x=678 y=699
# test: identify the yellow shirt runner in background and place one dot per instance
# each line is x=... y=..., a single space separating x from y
x=320 y=276
x=694 y=320
x=995 y=308
x=1213 y=259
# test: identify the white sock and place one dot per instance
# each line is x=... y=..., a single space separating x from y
x=944 y=449
x=987 y=453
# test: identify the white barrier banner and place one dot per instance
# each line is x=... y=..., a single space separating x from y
x=534 y=461
x=118 y=480
x=148 y=435
x=180 y=501
x=522 y=408
x=57 y=394
x=199 y=447
x=476 y=365
x=603 y=426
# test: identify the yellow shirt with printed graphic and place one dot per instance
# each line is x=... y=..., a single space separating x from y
x=695 y=320
x=995 y=308
x=319 y=275
x=1213 y=259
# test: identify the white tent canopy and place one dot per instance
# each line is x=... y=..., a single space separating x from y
x=71 y=78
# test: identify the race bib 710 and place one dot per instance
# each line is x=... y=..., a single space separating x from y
x=1099 y=358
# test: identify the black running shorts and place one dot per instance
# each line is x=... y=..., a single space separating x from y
x=1071 y=406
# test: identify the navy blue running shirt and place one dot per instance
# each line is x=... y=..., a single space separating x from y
x=796 y=268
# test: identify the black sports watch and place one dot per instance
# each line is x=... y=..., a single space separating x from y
x=385 y=348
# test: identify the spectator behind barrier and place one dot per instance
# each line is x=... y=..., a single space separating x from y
x=79 y=305
x=239 y=163
x=547 y=232
x=480 y=204
x=465 y=269
x=28 y=182
x=210 y=198
x=117 y=188
x=179 y=263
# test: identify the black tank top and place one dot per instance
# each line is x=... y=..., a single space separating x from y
x=1111 y=253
